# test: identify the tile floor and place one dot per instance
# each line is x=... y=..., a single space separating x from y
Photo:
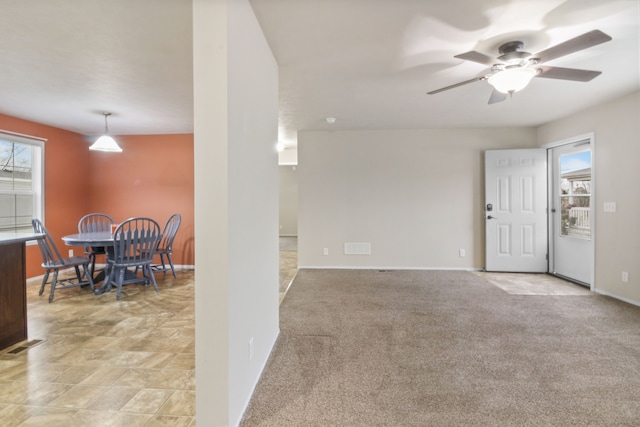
x=288 y=263
x=104 y=362
x=533 y=284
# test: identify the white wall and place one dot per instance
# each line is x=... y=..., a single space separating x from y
x=236 y=207
x=616 y=152
x=288 y=200
x=288 y=156
x=416 y=195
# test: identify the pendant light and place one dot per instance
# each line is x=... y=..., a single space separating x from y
x=106 y=142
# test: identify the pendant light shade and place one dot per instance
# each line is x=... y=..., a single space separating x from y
x=106 y=142
x=512 y=80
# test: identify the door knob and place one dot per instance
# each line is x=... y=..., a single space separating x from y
x=491 y=217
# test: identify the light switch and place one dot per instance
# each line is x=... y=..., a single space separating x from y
x=609 y=206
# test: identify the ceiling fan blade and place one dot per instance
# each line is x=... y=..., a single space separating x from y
x=567 y=73
x=497 y=96
x=592 y=38
x=475 y=79
x=478 y=57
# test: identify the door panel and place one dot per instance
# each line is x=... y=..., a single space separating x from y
x=503 y=196
x=515 y=210
x=528 y=240
x=504 y=239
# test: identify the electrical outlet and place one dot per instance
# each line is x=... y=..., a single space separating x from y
x=251 y=348
x=625 y=277
x=326 y=251
x=462 y=253
x=70 y=253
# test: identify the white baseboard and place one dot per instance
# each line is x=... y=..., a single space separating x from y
x=342 y=267
x=618 y=297
x=101 y=266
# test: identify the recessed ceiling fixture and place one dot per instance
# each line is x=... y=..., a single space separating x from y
x=106 y=142
x=331 y=120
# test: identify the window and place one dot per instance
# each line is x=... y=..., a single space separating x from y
x=575 y=195
x=21 y=182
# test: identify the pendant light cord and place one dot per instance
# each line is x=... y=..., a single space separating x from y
x=106 y=125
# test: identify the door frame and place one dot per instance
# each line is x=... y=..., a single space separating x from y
x=551 y=238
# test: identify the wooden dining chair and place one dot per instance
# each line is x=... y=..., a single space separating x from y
x=134 y=244
x=165 y=247
x=53 y=262
x=94 y=222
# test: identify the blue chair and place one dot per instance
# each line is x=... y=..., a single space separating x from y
x=165 y=247
x=134 y=244
x=90 y=223
x=53 y=262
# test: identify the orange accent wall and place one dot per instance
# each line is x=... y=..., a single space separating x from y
x=66 y=164
x=152 y=177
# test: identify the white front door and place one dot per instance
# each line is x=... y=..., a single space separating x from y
x=516 y=210
x=571 y=213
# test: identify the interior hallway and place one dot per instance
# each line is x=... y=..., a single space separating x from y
x=288 y=263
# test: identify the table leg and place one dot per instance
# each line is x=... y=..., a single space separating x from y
x=99 y=277
x=106 y=285
x=105 y=274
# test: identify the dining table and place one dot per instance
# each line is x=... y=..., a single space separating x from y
x=90 y=238
x=95 y=239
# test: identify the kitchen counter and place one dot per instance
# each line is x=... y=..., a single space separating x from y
x=13 y=287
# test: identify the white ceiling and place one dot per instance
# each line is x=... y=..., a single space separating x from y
x=369 y=63
x=64 y=62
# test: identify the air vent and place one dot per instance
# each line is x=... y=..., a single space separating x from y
x=24 y=347
x=363 y=248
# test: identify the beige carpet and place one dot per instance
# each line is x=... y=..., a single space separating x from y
x=433 y=348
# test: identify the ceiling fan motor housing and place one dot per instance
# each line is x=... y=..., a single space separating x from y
x=512 y=53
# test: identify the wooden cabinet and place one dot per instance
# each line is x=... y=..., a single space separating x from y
x=13 y=296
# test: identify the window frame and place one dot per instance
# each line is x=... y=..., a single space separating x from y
x=37 y=170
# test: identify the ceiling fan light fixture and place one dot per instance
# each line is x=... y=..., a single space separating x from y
x=106 y=142
x=512 y=79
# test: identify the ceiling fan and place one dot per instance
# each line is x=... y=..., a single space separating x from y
x=514 y=68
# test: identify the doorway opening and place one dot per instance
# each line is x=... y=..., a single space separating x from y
x=288 y=230
x=539 y=210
